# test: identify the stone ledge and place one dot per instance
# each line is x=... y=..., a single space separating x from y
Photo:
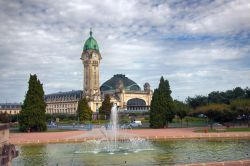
x=4 y=126
x=224 y=163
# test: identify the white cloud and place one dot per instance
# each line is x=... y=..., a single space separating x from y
x=203 y=56
x=142 y=39
x=218 y=18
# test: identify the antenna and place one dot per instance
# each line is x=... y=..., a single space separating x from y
x=90 y=32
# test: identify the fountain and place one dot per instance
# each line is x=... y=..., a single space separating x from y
x=114 y=128
x=110 y=139
x=113 y=146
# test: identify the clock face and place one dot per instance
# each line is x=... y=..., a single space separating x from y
x=87 y=55
x=94 y=55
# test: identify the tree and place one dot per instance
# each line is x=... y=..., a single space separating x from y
x=105 y=109
x=197 y=101
x=13 y=118
x=214 y=112
x=4 y=117
x=181 y=109
x=161 y=108
x=101 y=113
x=217 y=97
x=156 y=116
x=227 y=115
x=32 y=114
x=247 y=92
x=238 y=93
x=242 y=106
x=83 y=110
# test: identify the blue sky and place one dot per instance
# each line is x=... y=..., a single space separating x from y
x=199 y=46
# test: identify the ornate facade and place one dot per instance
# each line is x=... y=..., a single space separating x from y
x=124 y=92
x=91 y=58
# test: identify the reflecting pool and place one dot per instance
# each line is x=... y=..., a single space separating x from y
x=154 y=153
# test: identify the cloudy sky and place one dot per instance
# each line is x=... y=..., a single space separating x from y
x=199 y=46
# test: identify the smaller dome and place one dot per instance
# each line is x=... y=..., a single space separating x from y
x=118 y=81
x=90 y=43
x=146 y=86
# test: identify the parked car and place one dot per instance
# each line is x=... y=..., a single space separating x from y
x=52 y=124
x=124 y=126
x=202 y=116
x=135 y=123
x=217 y=125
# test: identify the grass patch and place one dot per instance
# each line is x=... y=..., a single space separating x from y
x=57 y=130
x=70 y=122
x=48 y=131
x=224 y=130
x=238 y=129
x=190 y=119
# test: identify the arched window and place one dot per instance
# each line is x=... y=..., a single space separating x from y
x=136 y=102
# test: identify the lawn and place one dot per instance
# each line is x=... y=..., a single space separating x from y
x=15 y=130
x=224 y=130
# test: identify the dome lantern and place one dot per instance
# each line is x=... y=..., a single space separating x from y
x=90 y=43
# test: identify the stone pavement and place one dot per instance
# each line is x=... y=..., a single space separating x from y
x=225 y=163
x=78 y=136
x=45 y=137
x=184 y=133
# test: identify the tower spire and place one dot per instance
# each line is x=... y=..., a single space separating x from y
x=90 y=32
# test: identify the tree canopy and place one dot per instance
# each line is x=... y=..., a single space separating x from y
x=162 y=107
x=83 y=110
x=181 y=109
x=242 y=106
x=105 y=109
x=197 y=101
x=219 y=97
x=216 y=113
x=32 y=114
x=4 y=117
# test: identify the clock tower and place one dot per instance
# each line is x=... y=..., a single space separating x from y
x=91 y=58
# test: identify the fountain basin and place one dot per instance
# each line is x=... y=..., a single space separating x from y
x=160 y=153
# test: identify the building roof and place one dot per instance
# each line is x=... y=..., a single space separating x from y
x=10 y=105
x=90 y=43
x=113 y=83
x=76 y=93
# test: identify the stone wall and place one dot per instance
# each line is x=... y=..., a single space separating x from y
x=7 y=151
x=4 y=134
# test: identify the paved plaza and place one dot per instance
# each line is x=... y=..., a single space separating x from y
x=77 y=136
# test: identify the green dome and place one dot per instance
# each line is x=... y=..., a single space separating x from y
x=90 y=44
x=113 y=82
